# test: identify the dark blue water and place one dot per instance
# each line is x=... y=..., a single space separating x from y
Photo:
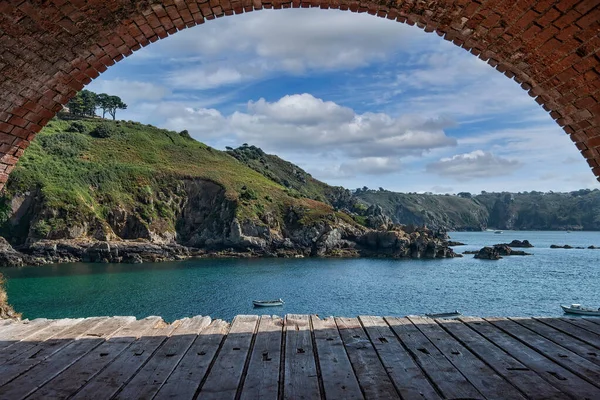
x=513 y=286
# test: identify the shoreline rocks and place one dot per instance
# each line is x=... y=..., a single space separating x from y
x=516 y=243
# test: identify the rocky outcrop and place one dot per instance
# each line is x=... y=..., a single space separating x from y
x=496 y=252
x=400 y=244
x=488 y=253
x=566 y=246
x=516 y=243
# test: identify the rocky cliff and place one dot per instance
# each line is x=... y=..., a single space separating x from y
x=145 y=194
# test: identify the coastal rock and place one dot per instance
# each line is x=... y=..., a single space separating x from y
x=518 y=243
x=452 y=243
x=555 y=246
x=497 y=251
x=488 y=253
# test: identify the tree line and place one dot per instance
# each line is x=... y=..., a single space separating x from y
x=86 y=102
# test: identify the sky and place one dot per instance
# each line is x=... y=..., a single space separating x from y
x=353 y=99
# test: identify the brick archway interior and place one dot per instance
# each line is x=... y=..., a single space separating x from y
x=51 y=49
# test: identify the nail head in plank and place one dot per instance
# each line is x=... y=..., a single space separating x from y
x=262 y=378
x=192 y=369
x=226 y=374
x=440 y=371
x=300 y=370
x=372 y=377
x=339 y=381
x=514 y=371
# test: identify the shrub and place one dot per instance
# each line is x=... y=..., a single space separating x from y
x=248 y=194
x=42 y=229
x=77 y=126
x=64 y=144
x=104 y=131
x=185 y=134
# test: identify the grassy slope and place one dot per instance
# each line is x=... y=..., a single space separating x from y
x=81 y=174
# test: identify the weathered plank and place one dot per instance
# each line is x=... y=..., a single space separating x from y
x=514 y=371
x=28 y=382
x=339 y=381
x=109 y=381
x=36 y=337
x=372 y=377
x=441 y=372
x=226 y=374
x=560 y=355
x=584 y=324
x=300 y=370
x=577 y=346
x=406 y=375
x=151 y=377
x=262 y=378
x=575 y=331
x=20 y=330
x=82 y=371
x=559 y=377
x=484 y=378
x=35 y=355
x=192 y=369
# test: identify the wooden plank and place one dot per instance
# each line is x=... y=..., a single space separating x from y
x=36 y=337
x=190 y=372
x=573 y=330
x=151 y=377
x=17 y=331
x=370 y=372
x=78 y=374
x=108 y=382
x=514 y=371
x=584 y=324
x=226 y=374
x=300 y=370
x=560 y=355
x=484 y=378
x=28 y=382
x=559 y=377
x=339 y=381
x=42 y=350
x=407 y=376
x=592 y=320
x=577 y=346
x=262 y=378
x=449 y=381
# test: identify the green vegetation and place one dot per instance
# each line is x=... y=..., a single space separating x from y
x=86 y=169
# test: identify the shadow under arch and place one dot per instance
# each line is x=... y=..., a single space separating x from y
x=49 y=50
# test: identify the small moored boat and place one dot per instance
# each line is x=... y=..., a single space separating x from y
x=577 y=309
x=497 y=231
x=267 y=303
x=454 y=314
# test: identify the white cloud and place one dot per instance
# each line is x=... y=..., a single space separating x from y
x=369 y=143
x=130 y=91
x=254 y=45
x=473 y=165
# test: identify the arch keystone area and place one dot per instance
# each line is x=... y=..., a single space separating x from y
x=50 y=49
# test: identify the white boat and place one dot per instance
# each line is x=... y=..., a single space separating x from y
x=497 y=231
x=454 y=314
x=267 y=303
x=577 y=309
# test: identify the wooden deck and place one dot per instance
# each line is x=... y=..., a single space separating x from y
x=300 y=357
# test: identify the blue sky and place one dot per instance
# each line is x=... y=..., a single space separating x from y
x=353 y=99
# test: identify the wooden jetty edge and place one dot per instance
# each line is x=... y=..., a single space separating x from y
x=300 y=357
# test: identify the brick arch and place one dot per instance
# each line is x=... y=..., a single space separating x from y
x=50 y=49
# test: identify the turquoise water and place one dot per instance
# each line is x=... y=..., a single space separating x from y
x=513 y=286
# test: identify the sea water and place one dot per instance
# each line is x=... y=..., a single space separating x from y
x=222 y=288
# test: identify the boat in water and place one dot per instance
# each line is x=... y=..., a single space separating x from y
x=578 y=309
x=454 y=314
x=497 y=231
x=267 y=303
